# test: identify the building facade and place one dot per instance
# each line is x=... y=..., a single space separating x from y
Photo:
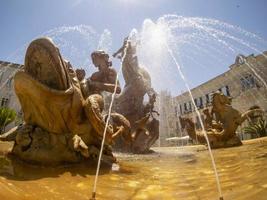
x=8 y=97
x=245 y=82
x=169 y=126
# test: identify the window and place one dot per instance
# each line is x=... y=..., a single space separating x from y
x=195 y=100
x=248 y=82
x=4 y=102
x=207 y=98
x=225 y=90
x=200 y=102
x=185 y=106
x=9 y=83
x=181 y=110
x=190 y=106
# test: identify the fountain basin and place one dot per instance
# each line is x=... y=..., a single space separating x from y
x=168 y=173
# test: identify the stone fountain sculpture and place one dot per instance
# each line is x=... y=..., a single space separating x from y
x=63 y=120
x=130 y=103
x=222 y=131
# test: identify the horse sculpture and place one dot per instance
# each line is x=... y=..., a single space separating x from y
x=130 y=103
x=221 y=133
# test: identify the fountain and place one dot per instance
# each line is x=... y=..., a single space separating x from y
x=222 y=132
x=144 y=126
x=63 y=120
x=66 y=120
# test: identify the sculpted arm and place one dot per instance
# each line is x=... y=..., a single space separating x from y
x=120 y=51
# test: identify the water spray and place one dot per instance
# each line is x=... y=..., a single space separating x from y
x=107 y=122
x=103 y=139
x=201 y=122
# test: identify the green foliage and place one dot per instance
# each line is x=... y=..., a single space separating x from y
x=259 y=128
x=7 y=116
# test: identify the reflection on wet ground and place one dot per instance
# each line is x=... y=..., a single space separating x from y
x=168 y=173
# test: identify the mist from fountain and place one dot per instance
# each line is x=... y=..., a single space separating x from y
x=131 y=38
x=161 y=37
x=168 y=40
x=74 y=42
x=201 y=124
x=193 y=39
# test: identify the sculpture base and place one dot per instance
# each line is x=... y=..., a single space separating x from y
x=143 y=139
x=37 y=146
x=232 y=142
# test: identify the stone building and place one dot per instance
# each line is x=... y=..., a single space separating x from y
x=169 y=125
x=245 y=82
x=165 y=107
x=7 y=94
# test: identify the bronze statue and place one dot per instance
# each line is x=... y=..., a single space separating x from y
x=208 y=119
x=198 y=136
x=105 y=78
x=221 y=133
x=63 y=120
x=130 y=103
x=209 y=123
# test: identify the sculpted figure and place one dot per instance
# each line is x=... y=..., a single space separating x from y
x=222 y=133
x=121 y=51
x=105 y=78
x=63 y=120
x=228 y=116
x=80 y=73
x=189 y=125
x=130 y=103
x=208 y=119
x=209 y=123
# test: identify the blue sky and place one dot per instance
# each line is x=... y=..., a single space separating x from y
x=21 y=21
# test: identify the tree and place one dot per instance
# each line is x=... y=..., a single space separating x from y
x=259 y=128
x=7 y=116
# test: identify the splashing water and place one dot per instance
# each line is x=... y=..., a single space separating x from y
x=75 y=44
x=178 y=33
x=105 y=41
x=186 y=41
x=108 y=118
x=198 y=43
x=201 y=123
x=104 y=137
x=157 y=41
x=195 y=41
x=160 y=35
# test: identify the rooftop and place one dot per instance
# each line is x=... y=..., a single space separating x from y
x=9 y=64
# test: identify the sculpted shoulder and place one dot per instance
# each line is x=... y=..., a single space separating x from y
x=112 y=71
x=95 y=76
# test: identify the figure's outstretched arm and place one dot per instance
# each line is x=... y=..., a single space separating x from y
x=120 y=51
